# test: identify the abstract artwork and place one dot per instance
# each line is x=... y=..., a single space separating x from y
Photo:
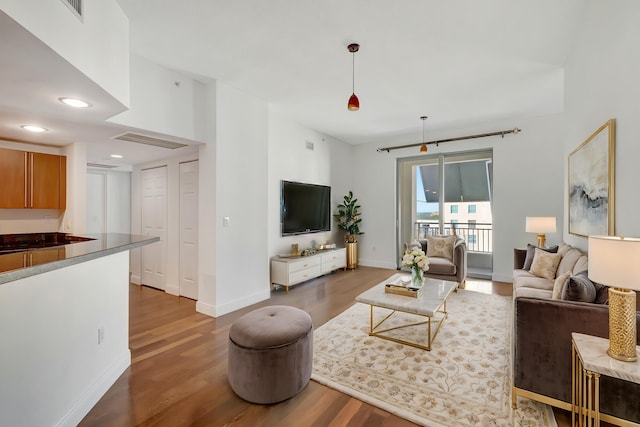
x=591 y=186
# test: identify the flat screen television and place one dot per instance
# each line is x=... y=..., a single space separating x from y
x=304 y=208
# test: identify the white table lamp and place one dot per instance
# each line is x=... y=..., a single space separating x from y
x=615 y=261
x=540 y=225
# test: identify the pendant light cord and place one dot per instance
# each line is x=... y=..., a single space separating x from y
x=353 y=72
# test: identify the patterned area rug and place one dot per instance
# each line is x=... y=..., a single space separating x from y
x=465 y=380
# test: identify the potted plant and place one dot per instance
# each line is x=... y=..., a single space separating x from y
x=348 y=218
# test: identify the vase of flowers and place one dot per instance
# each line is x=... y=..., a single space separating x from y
x=418 y=262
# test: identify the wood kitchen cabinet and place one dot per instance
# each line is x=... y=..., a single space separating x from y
x=13 y=179
x=32 y=180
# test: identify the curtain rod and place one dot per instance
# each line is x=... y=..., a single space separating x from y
x=502 y=133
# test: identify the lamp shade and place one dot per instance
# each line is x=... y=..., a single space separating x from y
x=615 y=261
x=540 y=224
x=354 y=103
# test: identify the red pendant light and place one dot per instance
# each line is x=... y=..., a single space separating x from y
x=423 y=147
x=354 y=102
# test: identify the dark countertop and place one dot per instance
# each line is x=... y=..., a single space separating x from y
x=19 y=264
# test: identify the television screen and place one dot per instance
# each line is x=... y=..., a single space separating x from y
x=304 y=208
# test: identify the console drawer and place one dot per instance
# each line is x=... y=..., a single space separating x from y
x=305 y=274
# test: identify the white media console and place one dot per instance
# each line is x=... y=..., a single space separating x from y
x=289 y=271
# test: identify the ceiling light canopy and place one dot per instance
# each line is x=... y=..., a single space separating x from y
x=76 y=103
x=33 y=128
x=354 y=102
x=116 y=156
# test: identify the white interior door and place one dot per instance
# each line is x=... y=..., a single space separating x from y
x=154 y=223
x=189 y=230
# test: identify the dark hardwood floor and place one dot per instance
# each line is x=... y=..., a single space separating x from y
x=179 y=361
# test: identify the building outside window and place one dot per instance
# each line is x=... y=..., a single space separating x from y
x=454 y=208
x=471 y=239
x=472 y=223
x=472 y=209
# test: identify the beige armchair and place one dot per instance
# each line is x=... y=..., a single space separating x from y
x=455 y=269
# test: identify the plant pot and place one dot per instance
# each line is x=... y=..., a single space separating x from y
x=350 y=238
x=352 y=255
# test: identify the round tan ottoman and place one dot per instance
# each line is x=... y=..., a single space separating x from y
x=270 y=354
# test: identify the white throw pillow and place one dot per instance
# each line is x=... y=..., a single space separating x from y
x=558 y=285
x=545 y=264
x=440 y=246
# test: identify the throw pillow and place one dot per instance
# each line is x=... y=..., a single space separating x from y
x=558 y=285
x=602 y=291
x=528 y=260
x=545 y=264
x=579 y=288
x=440 y=246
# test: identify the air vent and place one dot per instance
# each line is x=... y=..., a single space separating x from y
x=148 y=140
x=75 y=6
x=99 y=165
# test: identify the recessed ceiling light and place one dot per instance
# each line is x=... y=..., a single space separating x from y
x=33 y=128
x=116 y=156
x=77 y=103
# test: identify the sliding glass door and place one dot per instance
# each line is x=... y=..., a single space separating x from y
x=446 y=194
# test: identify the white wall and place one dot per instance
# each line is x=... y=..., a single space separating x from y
x=528 y=180
x=163 y=101
x=601 y=81
x=74 y=219
x=118 y=202
x=108 y=202
x=241 y=276
x=53 y=370
x=207 y=209
x=98 y=46
x=328 y=164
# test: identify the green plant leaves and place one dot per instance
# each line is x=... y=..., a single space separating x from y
x=348 y=216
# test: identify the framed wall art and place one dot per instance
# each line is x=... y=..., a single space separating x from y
x=591 y=184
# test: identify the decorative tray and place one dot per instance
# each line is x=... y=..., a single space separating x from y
x=398 y=288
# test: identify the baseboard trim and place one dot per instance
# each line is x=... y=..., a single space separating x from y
x=135 y=279
x=172 y=290
x=94 y=393
x=219 y=310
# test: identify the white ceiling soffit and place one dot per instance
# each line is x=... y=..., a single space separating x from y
x=149 y=140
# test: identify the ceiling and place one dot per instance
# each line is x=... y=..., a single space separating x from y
x=462 y=63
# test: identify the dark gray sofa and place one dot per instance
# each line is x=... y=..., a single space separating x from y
x=542 y=355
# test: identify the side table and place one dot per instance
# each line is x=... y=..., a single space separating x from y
x=589 y=360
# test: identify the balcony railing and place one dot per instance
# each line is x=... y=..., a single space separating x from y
x=479 y=236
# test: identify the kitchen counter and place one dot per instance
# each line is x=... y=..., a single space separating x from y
x=19 y=263
x=64 y=324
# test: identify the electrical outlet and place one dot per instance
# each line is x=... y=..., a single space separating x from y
x=100 y=335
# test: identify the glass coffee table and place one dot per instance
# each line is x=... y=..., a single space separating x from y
x=430 y=303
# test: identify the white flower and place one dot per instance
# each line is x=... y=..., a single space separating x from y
x=415 y=258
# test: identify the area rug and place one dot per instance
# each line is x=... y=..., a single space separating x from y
x=465 y=380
